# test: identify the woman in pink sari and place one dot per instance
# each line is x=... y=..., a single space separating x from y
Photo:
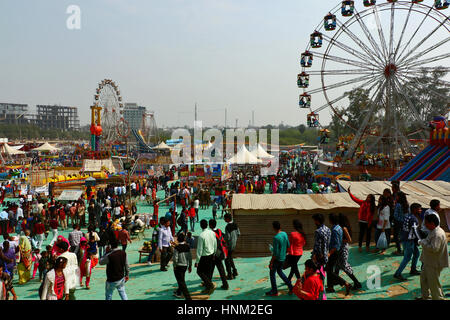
x=55 y=250
x=88 y=252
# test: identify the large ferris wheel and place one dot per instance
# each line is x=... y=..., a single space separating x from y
x=382 y=51
x=108 y=98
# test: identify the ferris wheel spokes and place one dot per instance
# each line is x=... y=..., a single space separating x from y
x=429 y=60
x=328 y=104
x=403 y=30
x=423 y=53
x=372 y=41
x=391 y=38
x=417 y=46
x=363 y=127
x=342 y=72
x=353 y=52
x=407 y=79
x=358 y=41
x=415 y=32
x=346 y=61
x=381 y=34
x=339 y=84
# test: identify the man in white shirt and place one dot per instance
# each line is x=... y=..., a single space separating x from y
x=4 y=221
x=164 y=241
x=435 y=207
x=206 y=248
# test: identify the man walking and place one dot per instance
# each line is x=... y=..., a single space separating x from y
x=409 y=242
x=164 y=240
x=232 y=234
x=434 y=257
x=279 y=248
x=74 y=239
x=333 y=278
x=117 y=270
x=220 y=255
x=206 y=248
x=322 y=237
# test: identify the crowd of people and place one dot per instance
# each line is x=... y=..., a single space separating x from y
x=110 y=217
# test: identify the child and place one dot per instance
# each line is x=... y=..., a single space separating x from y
x=182 y=261
x=6 y=285
x=19 y=226
x=43 y=264
x=310 y=286
x=214 y=210
x=36 y=256
x=190 y=240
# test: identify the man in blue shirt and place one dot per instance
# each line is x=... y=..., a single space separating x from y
x=409 y=238
x=333 y=278
x=279 y=249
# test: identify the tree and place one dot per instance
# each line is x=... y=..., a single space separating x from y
x=302 y=128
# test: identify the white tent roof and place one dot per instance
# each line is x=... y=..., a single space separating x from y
x=259 y=152
x=243 y=156
x=5 y=148
x=46 y=147
x=162 y=146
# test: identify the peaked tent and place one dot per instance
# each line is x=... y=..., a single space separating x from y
x=46 y=147
x=162 y=146
x=10 y=151
x=243 y=156
x=259 y=152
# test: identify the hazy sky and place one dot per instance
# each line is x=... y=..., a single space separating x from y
x=165 y=54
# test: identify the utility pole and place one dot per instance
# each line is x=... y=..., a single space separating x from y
x=253 y=118
x=225 y=118
x=236 y=123
x=195 y=112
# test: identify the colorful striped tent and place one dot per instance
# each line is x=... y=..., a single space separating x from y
x=433 y=163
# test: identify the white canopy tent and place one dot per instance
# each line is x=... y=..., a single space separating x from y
x=46 y=147
x=259 y=152
x=162 y=146
x=10 y=151
x=243 y=156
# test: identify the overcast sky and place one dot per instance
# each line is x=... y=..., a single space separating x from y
x=166 y=55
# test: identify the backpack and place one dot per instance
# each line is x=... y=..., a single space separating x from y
x=222 y=250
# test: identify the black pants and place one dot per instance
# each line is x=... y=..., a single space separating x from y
x=180 y=273
x=4 y=226
x=397 y=229
x=229 y=264
x=364 y=229
x=218 y=263
x=166 y=255
x=124 y=247
x=332 y=277
x=204 y=270
x=183 y=228
x=293 y=261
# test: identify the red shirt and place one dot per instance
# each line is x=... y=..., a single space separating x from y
x=53 y=224
x=297 y=242
x=192 y=212
x=242 y=188
x=39 y=228
x=62 y=213
x=313 y=286
x=364 y=213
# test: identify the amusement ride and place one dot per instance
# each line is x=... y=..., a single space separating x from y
x=380 y=48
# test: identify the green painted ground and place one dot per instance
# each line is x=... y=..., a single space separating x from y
x=147 y=282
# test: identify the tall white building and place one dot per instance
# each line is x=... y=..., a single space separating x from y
x=133 y=114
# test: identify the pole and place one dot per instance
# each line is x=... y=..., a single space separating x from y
x=195 y=112
x=225 y=118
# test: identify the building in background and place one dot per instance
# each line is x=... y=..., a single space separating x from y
x=13 y=113
x=133 y=115
x=62 y=118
